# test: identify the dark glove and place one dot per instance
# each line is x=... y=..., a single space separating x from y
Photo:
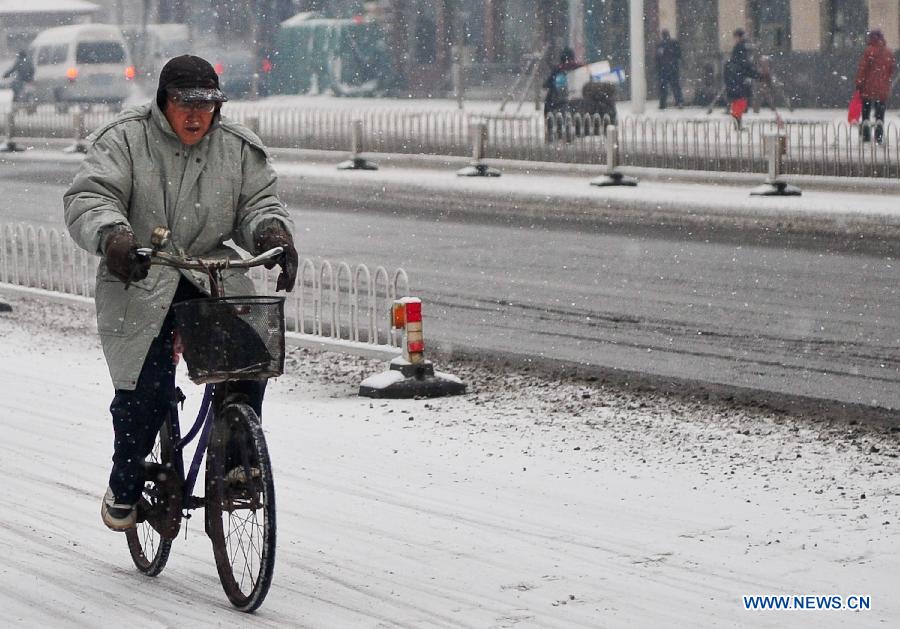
x=275 y=235
x=122 y=259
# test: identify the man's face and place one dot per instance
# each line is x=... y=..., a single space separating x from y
x=190 y=121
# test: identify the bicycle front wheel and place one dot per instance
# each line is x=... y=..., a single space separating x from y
x=148 y=547
x=240 y=506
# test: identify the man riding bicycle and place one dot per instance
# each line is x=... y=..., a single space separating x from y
x=175 y=162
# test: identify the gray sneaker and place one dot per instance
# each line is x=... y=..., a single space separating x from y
x=118 y=517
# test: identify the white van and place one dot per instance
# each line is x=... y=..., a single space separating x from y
x=81 y=64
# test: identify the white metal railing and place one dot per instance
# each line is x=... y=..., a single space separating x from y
x=334 y=302
x=703 y=143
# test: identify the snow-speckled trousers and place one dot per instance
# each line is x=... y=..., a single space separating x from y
x=137 y=415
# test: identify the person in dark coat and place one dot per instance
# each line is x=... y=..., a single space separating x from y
x=668 y=62
x=556 y=84
x=557 y=99
x=873 y=80
x=22 y=72
x=739 y=71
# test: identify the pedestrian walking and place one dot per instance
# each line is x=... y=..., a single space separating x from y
x=739 y=72
x=557 y=83
x=668 y=66
x=873 y=81
x=557 y=99
x=22 y=73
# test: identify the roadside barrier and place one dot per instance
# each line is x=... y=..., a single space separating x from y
x=410 y=375
x=9 y=145
x=775 y=186
x=814 y=147
x=612 y=176
x=332 y=307
x=479 y=133
x=357 y=161
x=79 y=145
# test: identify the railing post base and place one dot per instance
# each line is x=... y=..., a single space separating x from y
x=776 y=189
x=774 y=186
x=10 y=146
x=77 y=147
x=357 y=163
x=478 y=169
x=479 y=133
x=613 y=179
x=410 y=375
x=612 y=176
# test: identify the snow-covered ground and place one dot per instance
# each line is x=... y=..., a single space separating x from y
x=528 y=502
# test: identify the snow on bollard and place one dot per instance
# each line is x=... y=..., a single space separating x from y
x=78 y=146
x=10 y=146
x=478 y=168
x=775 y=186
x=410 y=375
x=357 y=161
x=612 y=176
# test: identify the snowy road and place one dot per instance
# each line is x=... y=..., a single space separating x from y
x=810 y=317
x=527 y=503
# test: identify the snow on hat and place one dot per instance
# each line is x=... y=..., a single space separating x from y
x=194 y=79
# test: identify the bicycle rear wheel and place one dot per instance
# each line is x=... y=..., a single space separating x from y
x=149 y=549
x=240 y=506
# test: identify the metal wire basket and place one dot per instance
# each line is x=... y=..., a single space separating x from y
x=232 y=338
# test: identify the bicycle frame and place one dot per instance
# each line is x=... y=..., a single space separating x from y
x=202 y=427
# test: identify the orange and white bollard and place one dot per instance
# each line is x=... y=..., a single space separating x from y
x=410 y=375
x=406 y=320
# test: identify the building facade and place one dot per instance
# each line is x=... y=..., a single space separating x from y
x=813 y=45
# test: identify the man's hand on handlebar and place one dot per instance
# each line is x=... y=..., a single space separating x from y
x=122 y=258
x=275 y=235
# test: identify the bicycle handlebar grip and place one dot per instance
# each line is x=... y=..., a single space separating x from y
x=160 y=237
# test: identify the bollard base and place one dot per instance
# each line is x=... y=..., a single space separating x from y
x=406 y=380
x=357 y=163
x=477 y=169
x=776 y=189
x=78 y=147
x=614 y=179
x=10 y=146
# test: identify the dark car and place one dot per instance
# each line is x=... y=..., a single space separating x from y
x=239 y=71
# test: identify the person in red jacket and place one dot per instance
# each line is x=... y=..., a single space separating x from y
x=873 y=80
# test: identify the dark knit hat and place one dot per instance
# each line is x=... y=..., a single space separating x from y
x=193 y=78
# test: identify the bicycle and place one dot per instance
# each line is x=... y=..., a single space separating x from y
x=239 y=500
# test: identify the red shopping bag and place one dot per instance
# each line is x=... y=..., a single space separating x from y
x=854 y=111
x=738 y=107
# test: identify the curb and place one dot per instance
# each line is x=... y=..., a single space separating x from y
x=825 y=183
x=816 y=409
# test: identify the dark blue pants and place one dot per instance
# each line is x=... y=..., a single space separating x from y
x=137 y=415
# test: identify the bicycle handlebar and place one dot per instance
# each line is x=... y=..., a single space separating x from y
x=201 y=264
